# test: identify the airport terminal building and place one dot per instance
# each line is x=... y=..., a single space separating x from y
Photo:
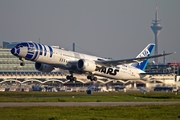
x=12 y=74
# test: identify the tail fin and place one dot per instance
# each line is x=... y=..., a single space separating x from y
x=145 y=53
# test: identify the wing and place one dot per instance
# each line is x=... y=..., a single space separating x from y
x=109 y=63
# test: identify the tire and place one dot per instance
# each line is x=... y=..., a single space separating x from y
x=95 y=78
x=22 y=64
x=74 y=78
x=88 y=77
x=68 y=77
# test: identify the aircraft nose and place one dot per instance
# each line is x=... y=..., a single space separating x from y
x=13 y=51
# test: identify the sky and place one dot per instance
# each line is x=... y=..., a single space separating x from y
x=117 y=29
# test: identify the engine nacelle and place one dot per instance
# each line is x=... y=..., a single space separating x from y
x=86 y=65
x=43 y=67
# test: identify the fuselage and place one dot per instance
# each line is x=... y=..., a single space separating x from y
x=62 y=58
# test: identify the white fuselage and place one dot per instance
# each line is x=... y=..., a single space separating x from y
x=60 y=58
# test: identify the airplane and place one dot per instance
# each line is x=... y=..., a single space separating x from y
x=47 y=58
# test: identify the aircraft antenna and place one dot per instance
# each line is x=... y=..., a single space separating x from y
x=39 y=40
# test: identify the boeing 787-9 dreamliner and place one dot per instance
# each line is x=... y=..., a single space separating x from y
x=47 y=58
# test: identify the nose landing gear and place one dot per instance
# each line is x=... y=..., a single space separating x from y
x=22 y=61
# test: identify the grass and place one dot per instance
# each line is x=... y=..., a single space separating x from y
x=141 y=112
x=144 y=112
x=83 y=97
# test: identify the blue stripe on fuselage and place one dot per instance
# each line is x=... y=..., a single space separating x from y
x=29 y=56
x=51 y=51
x=41 y=49
x=44 y=50
x=30 y=52
x=36 y=52
x=24 y=44
x=31 y=45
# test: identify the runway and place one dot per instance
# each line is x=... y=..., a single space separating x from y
x=25 y=104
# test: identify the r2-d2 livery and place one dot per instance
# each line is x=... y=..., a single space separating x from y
x=47 y=58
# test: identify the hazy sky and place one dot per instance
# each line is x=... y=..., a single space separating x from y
x=106 y=28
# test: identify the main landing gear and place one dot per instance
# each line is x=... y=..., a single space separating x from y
x=71 y=77
x=91 y=77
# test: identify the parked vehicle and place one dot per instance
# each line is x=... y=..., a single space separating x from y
x=163 y=88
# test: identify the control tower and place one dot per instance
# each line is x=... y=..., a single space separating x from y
x=156 y=27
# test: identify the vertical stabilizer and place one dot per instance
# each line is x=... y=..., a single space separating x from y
x=145 y=53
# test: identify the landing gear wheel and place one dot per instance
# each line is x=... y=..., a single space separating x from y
x=22 y=64
x=71 y=78
x=68 y=77
x=88 y=77
x=74 y=78
x=95 y=78
x=92 y=78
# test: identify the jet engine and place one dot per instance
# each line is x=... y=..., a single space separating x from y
x=43 y=67
x=86 y=65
